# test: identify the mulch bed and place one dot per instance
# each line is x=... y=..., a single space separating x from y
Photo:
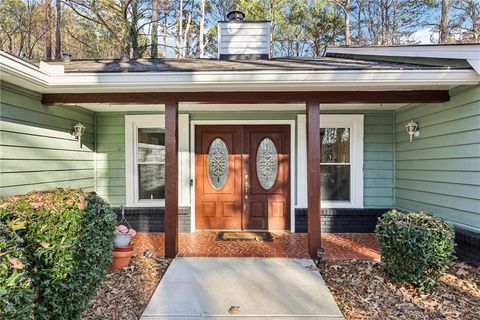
x=361 y=291
x=125 y=293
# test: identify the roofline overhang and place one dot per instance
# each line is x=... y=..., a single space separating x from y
x=21 y=73
x=470 y=53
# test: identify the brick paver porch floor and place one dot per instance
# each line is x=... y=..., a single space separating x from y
x=337 y=246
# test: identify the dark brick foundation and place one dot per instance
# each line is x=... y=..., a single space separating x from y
x=364 y=221
x=333 y=221
x=468 y=246
x=152 y=219
x=341 y=220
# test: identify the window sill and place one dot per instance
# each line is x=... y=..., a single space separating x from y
x=340 y=205
x=159 y=204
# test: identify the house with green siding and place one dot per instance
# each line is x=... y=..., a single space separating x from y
x=249 y=142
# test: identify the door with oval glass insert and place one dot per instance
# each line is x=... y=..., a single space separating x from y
x=242 y=177
x=218 y=177
x=267 y=160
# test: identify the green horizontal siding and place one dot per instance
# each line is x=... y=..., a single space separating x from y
x=378 y=160
x=37 y=149
x=439 y=171
x=110 y=157
x=378 y=152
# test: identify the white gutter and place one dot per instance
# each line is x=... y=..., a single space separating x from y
x=18 y=72
x=22 y=73
x=471 y=53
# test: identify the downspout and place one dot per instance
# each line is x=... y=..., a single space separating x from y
x=95 y=151
x=394 y=136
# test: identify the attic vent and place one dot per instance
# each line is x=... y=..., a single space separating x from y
x=243 y=40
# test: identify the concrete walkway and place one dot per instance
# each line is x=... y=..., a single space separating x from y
x=249 y=288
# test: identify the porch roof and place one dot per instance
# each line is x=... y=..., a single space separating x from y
x=284 y=64
x=187 y=79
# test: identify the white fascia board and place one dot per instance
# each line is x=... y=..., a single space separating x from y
x=24 y=74
x=19 y=72
x=361 y=80
x=471 y=53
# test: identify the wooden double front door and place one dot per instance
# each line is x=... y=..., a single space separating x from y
x=242 y=175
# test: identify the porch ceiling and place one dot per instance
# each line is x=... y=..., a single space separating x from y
x=186 y=107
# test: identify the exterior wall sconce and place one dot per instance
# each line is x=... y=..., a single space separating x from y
x=412 y=129
x=78 y=131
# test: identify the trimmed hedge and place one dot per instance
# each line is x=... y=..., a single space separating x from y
x=67 y=239
x=416 y=247
x=16 y=292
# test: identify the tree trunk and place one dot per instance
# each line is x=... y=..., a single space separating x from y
x=444 y=29
x=348 y=39
x=393 y=34
x=386 y=24
x=58 y=32
x=48 y=30
x=359 y=24
x=179 y=37
x=201 y=45
x=165 y=31
x=154 y=40
x=133 y=31
x=272 y=28
x=475 y=23
x=185 y=34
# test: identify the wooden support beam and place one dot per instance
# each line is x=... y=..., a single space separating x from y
x=171 y=179
x=406 y=96
x=313 y=177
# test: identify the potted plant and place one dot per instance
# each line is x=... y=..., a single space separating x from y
x=123 y=235
x=122 y=249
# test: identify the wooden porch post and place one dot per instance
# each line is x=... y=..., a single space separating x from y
x=171 y=179
x=313 y=177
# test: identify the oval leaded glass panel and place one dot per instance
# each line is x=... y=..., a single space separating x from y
x=267 y=163
x=218 y=164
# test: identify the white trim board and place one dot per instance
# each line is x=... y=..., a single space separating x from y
x=292 y=124
x=132 y=123
x=192 y=107
x=356 y=123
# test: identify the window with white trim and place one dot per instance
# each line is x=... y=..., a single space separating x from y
x=145 y=160
x=341 y=167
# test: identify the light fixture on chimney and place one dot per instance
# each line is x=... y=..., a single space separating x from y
x=412 y=129
x=78 y=131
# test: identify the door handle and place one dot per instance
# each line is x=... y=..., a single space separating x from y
x=246 y=187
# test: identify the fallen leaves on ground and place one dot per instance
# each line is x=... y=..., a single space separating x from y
x=125 y=293
x=362 y=292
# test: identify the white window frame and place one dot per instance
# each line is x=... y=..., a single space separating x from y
x=132 y=124
x=355 y=123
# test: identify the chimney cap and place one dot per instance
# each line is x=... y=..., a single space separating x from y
x=235 y=15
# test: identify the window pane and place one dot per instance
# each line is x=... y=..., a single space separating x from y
x=267 y=163
x=218 y=164
x=151 y=145
x=335 y=145
x=335 y=182
x=151 y=181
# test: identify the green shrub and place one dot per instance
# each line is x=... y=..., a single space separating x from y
x=416 y=247
x=16 y=292
x=68 y=240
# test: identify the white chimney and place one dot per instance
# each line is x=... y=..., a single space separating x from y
x=239 y=39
